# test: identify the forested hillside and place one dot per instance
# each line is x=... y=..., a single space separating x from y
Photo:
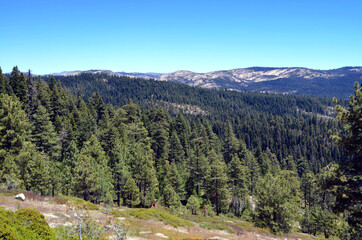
x=286 y=125
x=142 y=143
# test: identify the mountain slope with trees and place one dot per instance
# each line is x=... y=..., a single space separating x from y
x=121 y=140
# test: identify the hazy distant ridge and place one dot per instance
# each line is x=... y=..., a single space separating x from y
x=334 y=82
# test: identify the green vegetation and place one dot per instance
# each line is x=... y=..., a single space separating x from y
x=151 y=213
x=254 y=156
x=24 y=224
x=76 y=202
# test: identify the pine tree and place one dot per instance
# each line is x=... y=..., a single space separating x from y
x=239 y=178
x=263 y=160
x=32 y=96
x=182 y=128
x=308 y=188
x=231 y=144
x=9 y=171
x=170 y=197
x=85 y=123
x=276 y=206
x=199 y=170
x=193 y=204
x=18 y=84
x=86 y=179
x=44 y=135
x=93 y=178
x=39 y=174
x=143 y=172
x=217 y=189
x=120 y=155
x=254 y=172
x=57 y=102
x=14 y=127
x=159 y=132
x=97 y=107
x=302 y=166
x=14 y=124
x=176 y=153
x=44 y=94
x=290 y=164
x=346 y=179
x=131 y=193
x=4 y=84
x=174 y=178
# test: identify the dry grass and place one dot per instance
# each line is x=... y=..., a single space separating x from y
x=143 y=223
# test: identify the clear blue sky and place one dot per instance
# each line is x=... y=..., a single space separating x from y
x=164 y=36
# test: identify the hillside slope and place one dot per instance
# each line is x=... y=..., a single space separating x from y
x=137 y=223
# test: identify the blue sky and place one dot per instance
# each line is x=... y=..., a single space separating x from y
x=164 y=36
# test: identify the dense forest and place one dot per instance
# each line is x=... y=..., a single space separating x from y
x=266 y=158
x=286 y=125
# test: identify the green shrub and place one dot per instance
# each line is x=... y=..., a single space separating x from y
x=76 y=202
x=160 y=214
x=24 y=224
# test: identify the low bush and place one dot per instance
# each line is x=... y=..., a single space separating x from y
x=76 y=202
x=160 y=214
x=24 y=224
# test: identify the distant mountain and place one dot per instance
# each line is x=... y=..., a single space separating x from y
x=109 y=72
x=330 y=83
x=324 y=83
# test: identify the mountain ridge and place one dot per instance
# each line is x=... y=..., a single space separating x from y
x=286 y=80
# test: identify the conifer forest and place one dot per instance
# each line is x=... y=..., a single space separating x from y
x=281 y=162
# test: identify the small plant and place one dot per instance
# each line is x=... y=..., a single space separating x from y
x=159 y=214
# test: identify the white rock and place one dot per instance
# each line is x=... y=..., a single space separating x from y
x=20 y=196
x=160 y=235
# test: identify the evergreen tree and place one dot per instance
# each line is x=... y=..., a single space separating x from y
x=176 y=153
x=276 y=206
x=131 y=193
x=217 y=189
x=302 y=166
x=39 y=174
x=44 y=93
x=158 y=128
x=193 y=204
x=143 y=172
x=170 y=197
x=4 y=84
x=9 y=171
x=85 y=123
x=308 y=188
x=97 y=107
x=231 y=144
x=199 y=170
x=290 y=164
x=182 y=128
x=44 y=135
x=93 y=179
x=118 y=157
x=263 y=160
x=254 y=172
x=347 y=177
x=173 y=178
x=239 y=177
x=86 y=179
x=18 y=84
x=32 y=96
x=14 y=124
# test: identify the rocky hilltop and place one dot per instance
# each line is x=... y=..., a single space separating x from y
x=330 y=83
